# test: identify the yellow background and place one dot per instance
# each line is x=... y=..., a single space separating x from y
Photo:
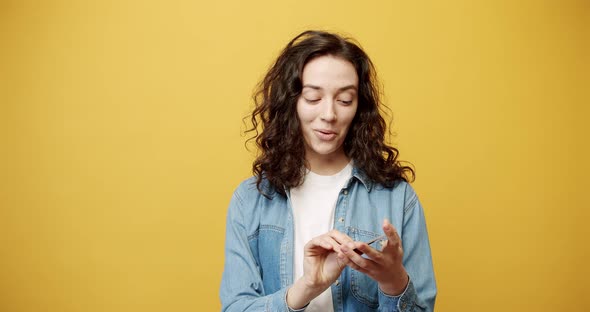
x=120 y=139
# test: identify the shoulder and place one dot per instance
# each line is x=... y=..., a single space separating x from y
x=250 y=208
x=248 y=191
x=246 y=186
x=400 y=191
x=399 y=188
x=243 y=201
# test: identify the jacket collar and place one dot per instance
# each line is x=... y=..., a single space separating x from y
x=357 y=173
x=362 y=176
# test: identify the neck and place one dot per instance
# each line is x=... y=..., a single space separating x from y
x=327 y=164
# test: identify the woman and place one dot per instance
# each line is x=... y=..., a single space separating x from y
x=325 y=184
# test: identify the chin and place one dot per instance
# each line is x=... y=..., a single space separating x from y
x=324 y=153
x=324 y=150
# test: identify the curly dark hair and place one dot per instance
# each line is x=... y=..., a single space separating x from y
x=281 y=158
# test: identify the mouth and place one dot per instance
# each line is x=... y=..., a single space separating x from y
x=325 y=135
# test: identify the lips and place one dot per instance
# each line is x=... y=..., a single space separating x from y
x=325 y=135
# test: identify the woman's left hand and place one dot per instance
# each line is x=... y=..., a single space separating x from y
x=383 y=266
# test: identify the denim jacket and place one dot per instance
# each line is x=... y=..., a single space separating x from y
x=259 y=248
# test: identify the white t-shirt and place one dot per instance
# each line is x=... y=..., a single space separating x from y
x=313 y=205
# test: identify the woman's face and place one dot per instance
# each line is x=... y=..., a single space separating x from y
x=327 y=105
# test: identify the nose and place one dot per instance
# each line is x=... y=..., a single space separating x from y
x=328 y=113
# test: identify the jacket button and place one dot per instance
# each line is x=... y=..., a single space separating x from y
x=337 y=282
x=345 y=192
x=341 y=220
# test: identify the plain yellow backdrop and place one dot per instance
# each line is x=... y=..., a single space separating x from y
x=120 y=133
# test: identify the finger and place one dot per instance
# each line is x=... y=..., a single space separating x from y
x=340 y=237
x=363 y=264
x=372 y=253
x=356 y=267
x=342 y=259
x=334 y=245
x=393 y=238
x=318 y=243
x=349 y=262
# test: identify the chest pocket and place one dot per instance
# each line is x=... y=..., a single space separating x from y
x=265 y=245
x=362 y=287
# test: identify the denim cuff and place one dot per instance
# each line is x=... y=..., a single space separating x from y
x=402 y=303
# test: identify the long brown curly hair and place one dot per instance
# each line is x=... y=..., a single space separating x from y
x=275 y=124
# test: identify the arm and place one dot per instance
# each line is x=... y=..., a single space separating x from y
x=241 y=283
x=420 y=294
x=403 y=269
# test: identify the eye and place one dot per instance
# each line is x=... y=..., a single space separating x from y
x=312 y=101
x=345 y=102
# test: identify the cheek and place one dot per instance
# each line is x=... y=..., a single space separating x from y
x=305 y=113
x=348 y=116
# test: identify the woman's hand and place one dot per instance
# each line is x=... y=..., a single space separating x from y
x=383 y=266
x=323 y=261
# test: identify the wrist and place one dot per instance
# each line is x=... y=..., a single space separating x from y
x=301 y=293
x=311 y=285
x=395 y=287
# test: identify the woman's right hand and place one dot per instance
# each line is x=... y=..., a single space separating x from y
x=322 y=264
x=323 y=261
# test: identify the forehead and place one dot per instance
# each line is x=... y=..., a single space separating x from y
x=329 y=72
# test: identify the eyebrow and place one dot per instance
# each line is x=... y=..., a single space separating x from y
x=349 y=87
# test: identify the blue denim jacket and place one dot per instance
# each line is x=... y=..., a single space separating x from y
x=259 y=248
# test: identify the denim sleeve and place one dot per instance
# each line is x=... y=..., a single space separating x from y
x=420 y=293
x=241 y=284
x=399 y=302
